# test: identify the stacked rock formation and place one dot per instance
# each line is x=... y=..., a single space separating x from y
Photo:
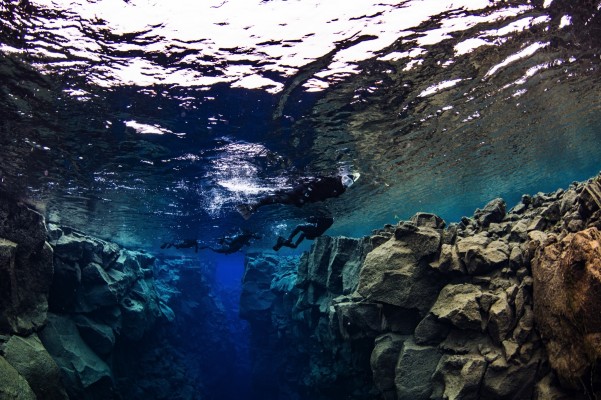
x=502 y=305
x=27 y=371
x=67 y=301
x=100 y=293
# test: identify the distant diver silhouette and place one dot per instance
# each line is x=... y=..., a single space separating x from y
x=182 y=244
x=315 y=227
x=233 y=243
x=310 y=190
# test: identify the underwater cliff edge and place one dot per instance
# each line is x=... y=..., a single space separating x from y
x=501 y=305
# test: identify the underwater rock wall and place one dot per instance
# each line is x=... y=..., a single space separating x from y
x=100 y=295
x=27 y=371
x=502 y=305
x=81 y=317
x=297 y=350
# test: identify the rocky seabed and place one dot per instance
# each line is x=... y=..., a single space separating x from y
x=502 y=305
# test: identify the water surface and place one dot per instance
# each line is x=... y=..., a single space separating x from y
x=146 y=121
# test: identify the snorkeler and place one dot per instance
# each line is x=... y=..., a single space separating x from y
x=182 y=244
x=315 y=227
x=233 y=243
x=309 y=191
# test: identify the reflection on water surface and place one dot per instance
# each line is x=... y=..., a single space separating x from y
x=142 y=121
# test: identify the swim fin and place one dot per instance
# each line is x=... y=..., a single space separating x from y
x=279 y=244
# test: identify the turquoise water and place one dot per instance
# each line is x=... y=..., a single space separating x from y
x=151 y=129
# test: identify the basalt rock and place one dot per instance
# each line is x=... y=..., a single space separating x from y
x=25 y=268
x=398 y=271
x=414 y=369
x=333 y=264
x=112 y=287
x=492 y=212
x=292 y=315
x=458 y=376
x=12 y=384
x=22 y=225
x=567 y=304
x=101 y=295
x=383 y=360
x=26 y=271
x=102 y=302
x=32 y=361
x=257 y=298
x=503 y=304
x=458 y=305
x=85 y=374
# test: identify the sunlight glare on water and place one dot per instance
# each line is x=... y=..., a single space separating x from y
x=132 y=118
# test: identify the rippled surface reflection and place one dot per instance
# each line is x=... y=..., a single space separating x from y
x=143 y=121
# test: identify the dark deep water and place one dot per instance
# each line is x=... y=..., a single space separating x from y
x=144 y=123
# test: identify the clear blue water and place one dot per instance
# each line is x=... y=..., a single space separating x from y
x=145 y=122
x=153 y=128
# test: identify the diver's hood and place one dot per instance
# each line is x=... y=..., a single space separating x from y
x=349 y=179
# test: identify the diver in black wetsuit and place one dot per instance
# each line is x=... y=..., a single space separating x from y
x=309 y=191
x=182 y=244
x=233 y=243
x=315 y=227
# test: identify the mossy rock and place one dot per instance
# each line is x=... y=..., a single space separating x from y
x=12 y=385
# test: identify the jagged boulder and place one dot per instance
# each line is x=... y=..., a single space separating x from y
x=313 y=268
x=430 y=330
x=25 y=283
x=383 y=363
x=99 y=336
x=494 y=211
x=25 y=268
x=29 y=357
x=505 y=381
x=140 y=310
x=359 y=319
x=414 y=370
x=113 y=287
x=22 y=225
x=449 y=261
x=12 y=385
x=345 y=261
x=96 y=290
x=428 y=220
x=85 y=374
x=392 y=273
x=459 y=377
x=567 y=300
x=423 y=241
x=501 y=320
x=74 y=246
x=459 y=305
x=480 y=254
x=333 y=264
